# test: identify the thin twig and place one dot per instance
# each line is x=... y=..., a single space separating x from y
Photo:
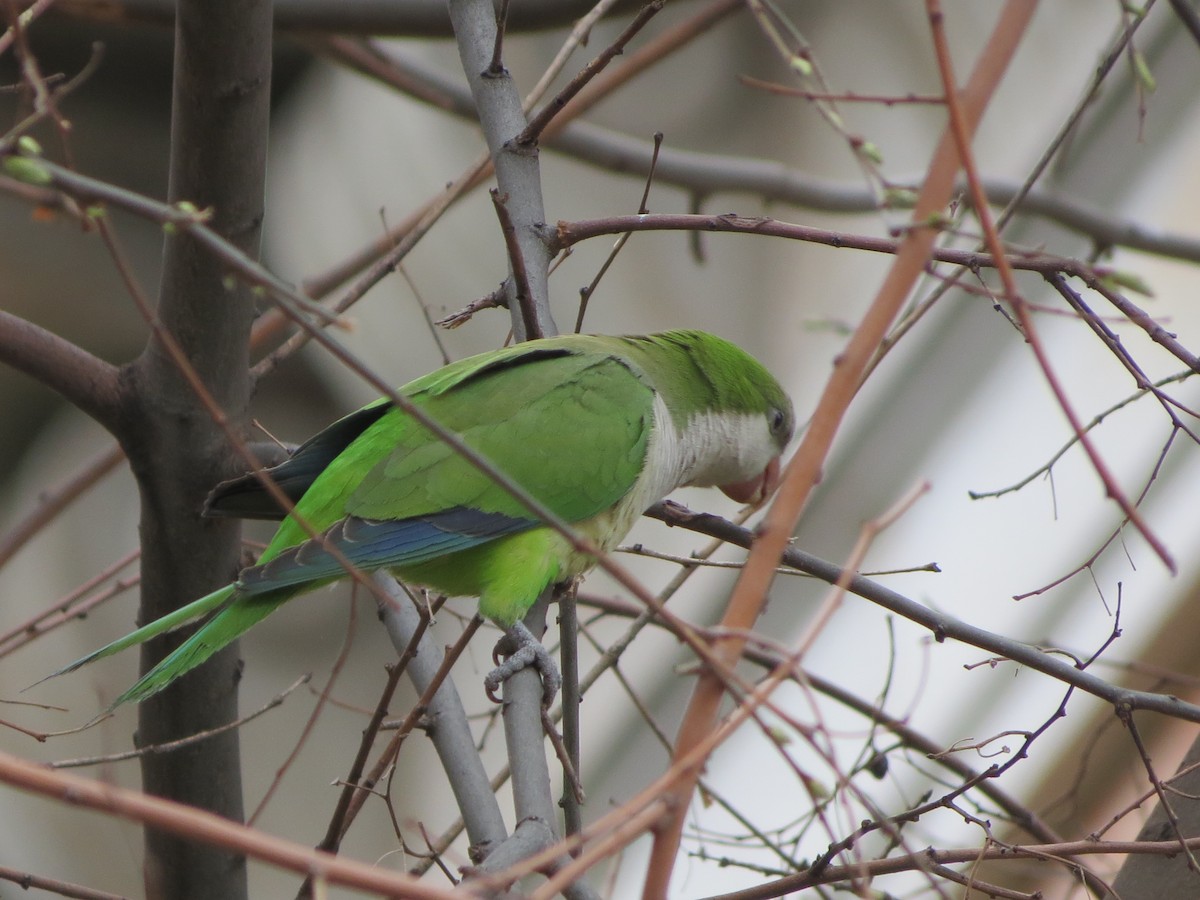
x=959 y=127
x=172 y=746
x=541 y=120
x=396 y=670
x=71 y=606
x=585 y=293
x=388 y=756
x=323 y=698
x=496 y=66
x=27 y=880
x=210 y=828
x=750 y=592
x=516 y=258
x=942 y=625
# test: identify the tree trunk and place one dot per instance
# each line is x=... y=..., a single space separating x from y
x=218 y=160
x=1151 y=877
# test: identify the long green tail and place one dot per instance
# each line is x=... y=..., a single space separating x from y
x=224 y=628
x=239 y=614
x=169 y=622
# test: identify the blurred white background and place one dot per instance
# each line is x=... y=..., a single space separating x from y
x=960 y=403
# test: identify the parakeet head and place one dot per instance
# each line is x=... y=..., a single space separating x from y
x=734 y=415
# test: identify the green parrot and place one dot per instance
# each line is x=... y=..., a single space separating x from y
x=595 y=428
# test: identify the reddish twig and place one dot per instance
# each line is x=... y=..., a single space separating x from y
x=547 y=113
x=71 y=606
x=209 y=828
x=960 y=127
x=802 y=473
x=27 y=880
x=55 y=499
x=516 y=259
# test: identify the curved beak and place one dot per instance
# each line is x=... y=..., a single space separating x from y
x=758 y=489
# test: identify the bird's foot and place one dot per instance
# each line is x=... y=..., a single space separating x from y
x=528 y=651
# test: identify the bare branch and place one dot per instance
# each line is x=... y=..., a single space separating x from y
x=28 y=880
x=75 y=605
x=409 y=18
x=538 y=124
x=55 y=499
x=802 y=472
x=445 y=721
x=518 y=176
x=84 y=380
x=218 y=831
x=962 y=128
x=173 y=746
x=941 y=625
x=711 y=173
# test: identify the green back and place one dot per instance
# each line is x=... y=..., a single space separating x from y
x=532 y=413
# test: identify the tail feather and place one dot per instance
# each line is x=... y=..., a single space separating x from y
x=163 y=625
x=220 y=631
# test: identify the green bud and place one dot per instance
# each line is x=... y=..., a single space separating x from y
x=1130 y=281
x=801 y=65
x=29 y=146
x=28 y=170
x=871 y=151
x=1142 y=70
x=899 y=198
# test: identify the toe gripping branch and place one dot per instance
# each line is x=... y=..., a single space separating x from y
x=527 y=651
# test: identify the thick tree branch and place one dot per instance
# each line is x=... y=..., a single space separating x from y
x=519 y=201
x=941 y=625
x=193 y=824
x=89 y=383
x=406 y=18
x=705 y=174
x=518 y=175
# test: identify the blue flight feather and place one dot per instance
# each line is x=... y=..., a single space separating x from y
x=371 y=544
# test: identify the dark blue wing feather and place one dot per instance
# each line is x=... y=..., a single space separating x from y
x=244 y=497
x=375 y=544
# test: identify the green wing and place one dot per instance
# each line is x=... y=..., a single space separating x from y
x=571 y=429
x=568 y=424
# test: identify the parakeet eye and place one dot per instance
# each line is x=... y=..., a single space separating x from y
x=778 y=420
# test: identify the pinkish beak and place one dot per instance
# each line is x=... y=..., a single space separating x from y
x=757 y=489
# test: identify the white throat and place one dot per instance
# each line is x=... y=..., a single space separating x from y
x=714 y=448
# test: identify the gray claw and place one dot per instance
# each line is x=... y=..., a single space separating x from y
x=529 y=652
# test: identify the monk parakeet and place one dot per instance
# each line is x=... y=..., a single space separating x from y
x=596 y=428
